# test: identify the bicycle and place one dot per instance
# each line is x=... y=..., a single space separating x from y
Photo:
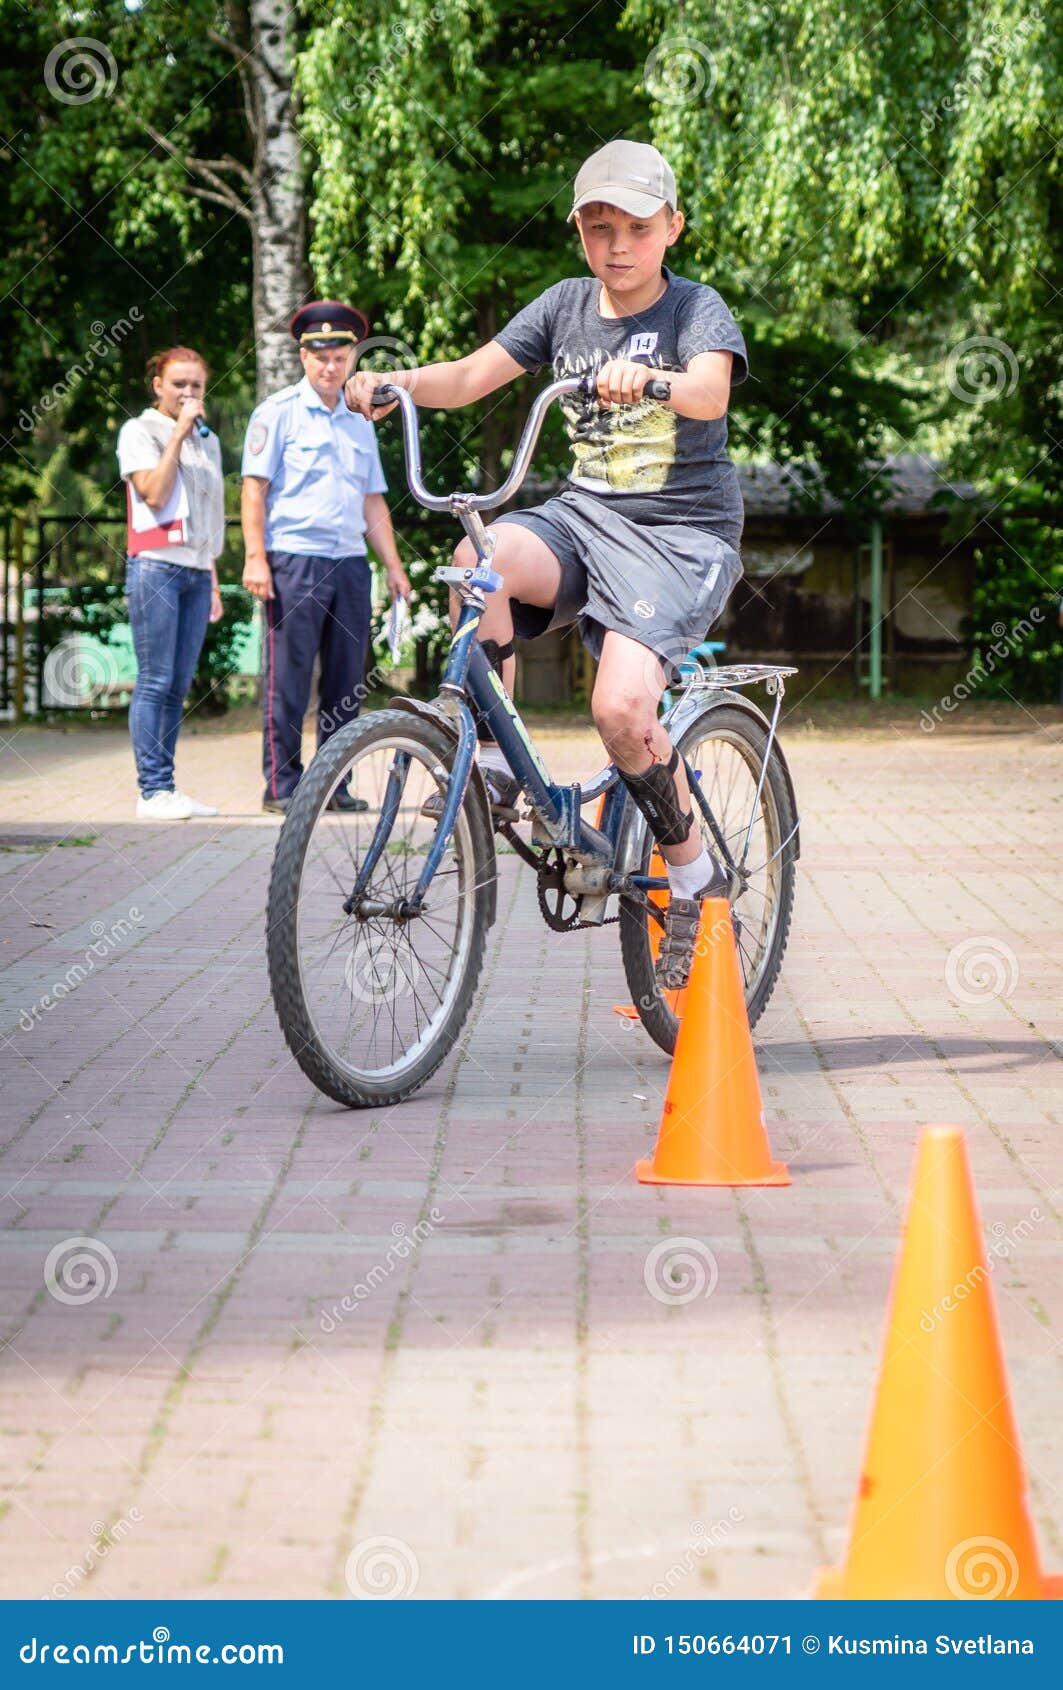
x=378 y=920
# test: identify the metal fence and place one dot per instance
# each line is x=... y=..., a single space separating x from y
x=62 y=572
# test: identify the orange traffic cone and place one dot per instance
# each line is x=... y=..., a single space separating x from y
x=941 y=1509
x=712 y=1130
x=675 y=1000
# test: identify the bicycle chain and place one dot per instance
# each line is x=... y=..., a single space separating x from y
x=553 y=862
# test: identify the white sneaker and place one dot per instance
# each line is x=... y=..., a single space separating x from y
x=164 y=807
x=195 y=808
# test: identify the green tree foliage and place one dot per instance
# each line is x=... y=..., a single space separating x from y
x=876 y=195
x=445 y=137
x=890 y=183
x=109 y=252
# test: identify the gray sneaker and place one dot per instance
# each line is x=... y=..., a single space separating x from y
x=676 y=955
x=503 y=792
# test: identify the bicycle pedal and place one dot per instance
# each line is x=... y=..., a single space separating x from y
x=592 y=911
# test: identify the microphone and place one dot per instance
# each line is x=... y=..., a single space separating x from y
x=201 y=428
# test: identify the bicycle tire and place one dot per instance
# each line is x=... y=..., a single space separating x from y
x=342 y=1081
x=743 y=730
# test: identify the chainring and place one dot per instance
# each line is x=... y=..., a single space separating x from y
x=553 y=897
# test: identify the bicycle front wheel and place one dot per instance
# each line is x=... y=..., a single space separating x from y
x=369 y=1001
x=725 y=746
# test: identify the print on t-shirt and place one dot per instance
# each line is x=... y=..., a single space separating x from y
x=616 y=448
x=654 y=464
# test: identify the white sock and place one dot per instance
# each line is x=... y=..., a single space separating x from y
x=491 y=757
x=685 y=880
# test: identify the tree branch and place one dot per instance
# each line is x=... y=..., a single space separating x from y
x=226 y=163
x=252 y=110
x=242 y=55
x=222 y=191
x=234 y=204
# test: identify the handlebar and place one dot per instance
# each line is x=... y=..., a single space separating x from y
x=583 y=385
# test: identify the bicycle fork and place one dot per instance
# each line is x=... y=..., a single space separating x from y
x=472 y=584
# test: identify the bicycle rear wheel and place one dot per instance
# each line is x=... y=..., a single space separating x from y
x=725 y=747
x=370 y=1003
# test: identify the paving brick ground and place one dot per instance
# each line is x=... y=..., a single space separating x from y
x=509 y=1412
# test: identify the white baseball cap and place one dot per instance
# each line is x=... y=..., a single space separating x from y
x=629 y=174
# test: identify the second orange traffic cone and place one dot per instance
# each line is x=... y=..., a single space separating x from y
x=712 y=1130
x=941 y=1509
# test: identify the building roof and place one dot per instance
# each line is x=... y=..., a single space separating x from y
x=917 y=487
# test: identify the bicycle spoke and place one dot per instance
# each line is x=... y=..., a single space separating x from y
x=376 y=989
x=727 y=764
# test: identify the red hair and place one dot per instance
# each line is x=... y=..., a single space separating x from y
x=158 y=362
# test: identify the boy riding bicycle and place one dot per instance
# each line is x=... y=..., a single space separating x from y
x=641 y=547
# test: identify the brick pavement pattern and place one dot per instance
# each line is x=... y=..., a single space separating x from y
x=503 y=1407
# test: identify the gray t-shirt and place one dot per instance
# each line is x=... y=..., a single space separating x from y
x=650 y=463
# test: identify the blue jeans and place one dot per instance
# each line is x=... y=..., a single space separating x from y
x=169 y=606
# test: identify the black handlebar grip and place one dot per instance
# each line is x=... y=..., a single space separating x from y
x=653 y=389
x=383 y=395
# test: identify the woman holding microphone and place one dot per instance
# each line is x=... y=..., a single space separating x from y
x=171 y=464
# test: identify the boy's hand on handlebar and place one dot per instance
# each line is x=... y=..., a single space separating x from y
x=621 y=381
x=359 y=389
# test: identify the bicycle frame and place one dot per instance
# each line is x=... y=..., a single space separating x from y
x=469 y=676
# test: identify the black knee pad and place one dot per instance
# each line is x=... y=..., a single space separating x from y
x=657 y=796
x=496 y=655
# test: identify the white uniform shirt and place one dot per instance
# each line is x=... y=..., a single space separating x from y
x=320 y=465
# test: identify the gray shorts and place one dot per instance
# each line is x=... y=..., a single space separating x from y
x=663 y=585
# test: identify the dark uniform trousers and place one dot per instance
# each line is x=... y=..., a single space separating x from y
x=319 y=605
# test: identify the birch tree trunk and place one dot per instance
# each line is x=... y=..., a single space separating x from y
x=281 y=278
x=268 y=193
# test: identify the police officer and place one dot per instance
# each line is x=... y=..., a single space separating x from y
x=313 y=496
